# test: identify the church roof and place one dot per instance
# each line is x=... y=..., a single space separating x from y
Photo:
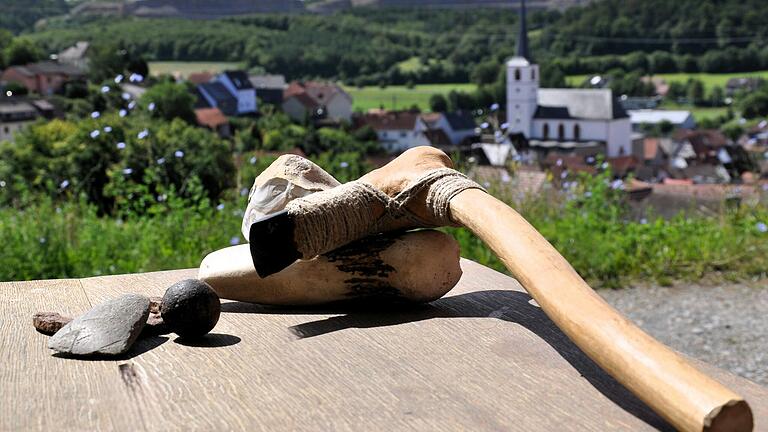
x=521 y=48
x=590 y=104
x=552 y=112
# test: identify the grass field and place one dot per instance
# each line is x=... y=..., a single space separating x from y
x=186 y=68
x=400 y=97
x=710 y=80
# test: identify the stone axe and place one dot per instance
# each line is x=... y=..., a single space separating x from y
x=420 y=189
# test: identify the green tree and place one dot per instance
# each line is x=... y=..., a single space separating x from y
x=755 y=105
x=732 y=130
x=695 y=91
x=170 y=101
x=485 y=72
x=22 y=51
x=438 y=103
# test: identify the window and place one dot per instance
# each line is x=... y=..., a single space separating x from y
x=576 y=132
x=403 y=134
x=517 y=74
x=533 y=74
x=545 y=131
x=561 y=132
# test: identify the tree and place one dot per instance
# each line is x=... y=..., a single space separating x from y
x=755 y=105
x=717 y=97
x=695 y=91
x=438 y=103
x=485 y=73
x=169 y=101
x=22 y=51
x=732 y=130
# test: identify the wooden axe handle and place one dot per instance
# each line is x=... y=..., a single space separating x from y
x=663 y=379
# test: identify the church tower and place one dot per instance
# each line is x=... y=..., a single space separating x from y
x=522 y=84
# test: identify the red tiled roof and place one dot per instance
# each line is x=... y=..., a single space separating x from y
x=392 y=120
x=200 y=77
x=318 y=92
x=210 y=117
x=650 y=148
x=623 y=164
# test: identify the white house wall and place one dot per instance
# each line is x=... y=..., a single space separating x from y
x=246 y=101
x=295 y=109
x=619 y=141
x=7 y=129
x=339 y=108
x=616 y=133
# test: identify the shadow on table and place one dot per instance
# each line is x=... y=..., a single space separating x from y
x=211 y=340
x=511 y=306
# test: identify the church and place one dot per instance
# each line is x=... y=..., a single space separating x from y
x=568 y=120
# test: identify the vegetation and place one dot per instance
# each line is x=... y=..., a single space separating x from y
x=401 y=97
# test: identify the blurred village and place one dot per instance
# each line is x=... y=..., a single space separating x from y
x=540 y=139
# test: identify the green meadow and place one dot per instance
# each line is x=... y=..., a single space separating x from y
x=401 y=97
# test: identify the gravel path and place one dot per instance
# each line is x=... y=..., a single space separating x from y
x=725 y=325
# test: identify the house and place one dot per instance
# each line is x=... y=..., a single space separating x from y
x=269 y=88
x=317 y=100
x=677 y=118
x=76 y=55
x=397 y=130
x=457 y=126
x=14 y=115
x=43 y=78
x=747 y=84
x=216 y=95
x=197 y=78
x=544 y=117
x=213 y=119
x=239 y=86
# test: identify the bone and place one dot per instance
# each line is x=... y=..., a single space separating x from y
x=418 y=266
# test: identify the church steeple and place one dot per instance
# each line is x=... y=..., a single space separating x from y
x=521 y=49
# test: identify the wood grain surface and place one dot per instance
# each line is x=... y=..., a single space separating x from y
x=484 y=357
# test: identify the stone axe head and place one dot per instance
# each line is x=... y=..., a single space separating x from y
x=412 y=191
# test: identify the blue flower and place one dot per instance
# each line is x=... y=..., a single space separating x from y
x=127 y=171
x=105 y=89
x=122 y=113
x=343 y=164
x=234 y=241
x=504 y=125
x=126 y=96
x=2 y=183
x=220 y=207
x=179 y=154
x=143 y=134
x=617 y=184
x=119 y=78
x=64 y=184
x=484 y=125
x=95 y=133
x=95 y=115
x=494 y=107
x=243 y=191
x=252 y=160
x=132 y=105
x=120 y=145
x=161 y=161
x=151 y=106
x=107 y=129
x=762 y=227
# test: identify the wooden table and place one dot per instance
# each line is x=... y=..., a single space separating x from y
x=485 y=357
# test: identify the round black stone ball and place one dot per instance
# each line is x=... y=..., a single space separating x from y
x=191 y=308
